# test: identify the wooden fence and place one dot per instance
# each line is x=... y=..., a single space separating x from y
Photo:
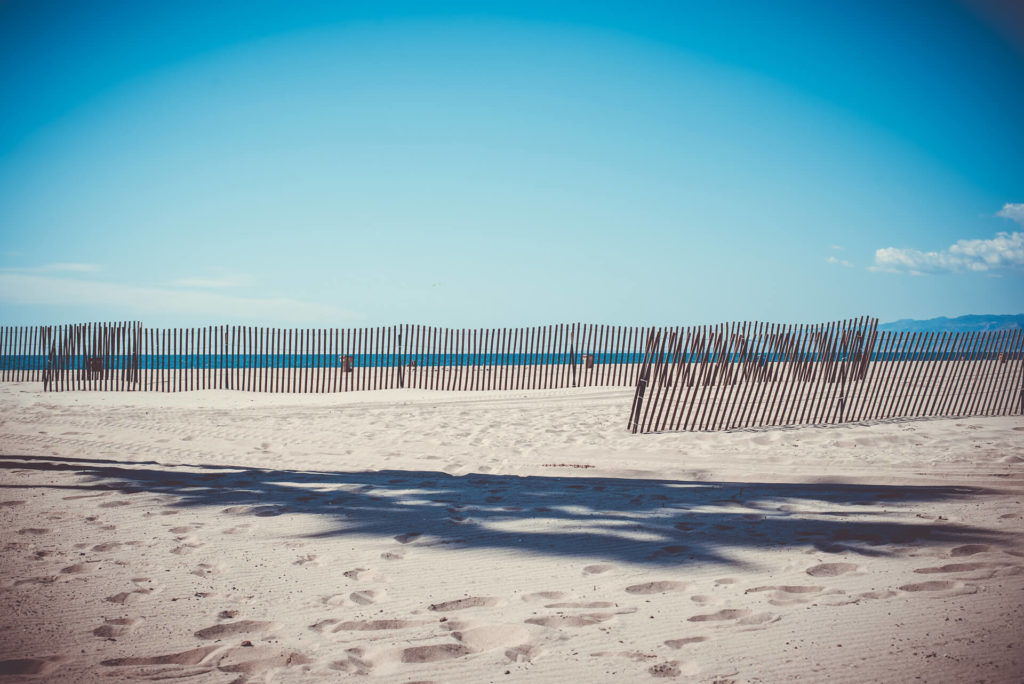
x=695 y=378
x=743 y=375
x=128 y=356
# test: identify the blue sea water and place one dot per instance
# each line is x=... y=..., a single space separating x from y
x=217 y=361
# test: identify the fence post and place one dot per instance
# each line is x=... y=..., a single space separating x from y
x=401 y=374
x=641 y=386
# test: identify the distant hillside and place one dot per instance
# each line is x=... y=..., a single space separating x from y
x=958 y=324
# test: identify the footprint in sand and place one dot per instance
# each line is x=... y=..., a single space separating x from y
x=308 y=559
x=324 y=625
x=724 y=614
x=250 y=660
x=656 y=587
x=186 y=549
x=957 y=567
x=597 y=569
x=434 y=653
x=108 y=546
x=117 y=627
x=363 y=575
x=757 y=620
x=366 y=596
x=545 y=596
x=942 y=588
x=85 y=496
x=355 y=662
x=30 y=666
x=936 y=585
x=524 y=653
x=560 y=621
x=260 y=511
x=786 y=594
x=227 y=629
x=679 y=643
x=969 y=550
x=831 y=569
x=36 y=580
x=393 y=555
x=673 y=668
x=76 y=569
x=114 y=504
x=464 y=603
x=11 y=503
x=375 y=625
x=207 y=569
x=333 y=600
x=193 y=656
x=34 y=530
x=669 y=551
x=130 y=597
x=490 y=637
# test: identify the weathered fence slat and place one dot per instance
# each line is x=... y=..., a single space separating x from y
x=1003 y=376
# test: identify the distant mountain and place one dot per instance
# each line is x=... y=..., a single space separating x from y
x=958 y=324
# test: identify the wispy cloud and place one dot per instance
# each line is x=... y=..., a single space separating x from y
x=59 y=267
x=213 y=282
x=1004 y=251
x=38 y=290
x=840 y=262
x=1014 y=212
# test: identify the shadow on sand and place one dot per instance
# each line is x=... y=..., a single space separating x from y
x=648 y=521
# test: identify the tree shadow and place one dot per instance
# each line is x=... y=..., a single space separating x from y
x=647 y=521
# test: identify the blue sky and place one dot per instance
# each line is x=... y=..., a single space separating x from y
x=500 y=164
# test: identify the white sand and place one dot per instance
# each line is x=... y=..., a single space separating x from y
x=508 y=536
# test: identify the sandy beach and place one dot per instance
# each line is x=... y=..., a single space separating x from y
x=413 y=536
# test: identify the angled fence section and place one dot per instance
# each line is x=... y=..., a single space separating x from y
x=743 y=375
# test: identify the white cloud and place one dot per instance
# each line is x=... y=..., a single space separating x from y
x=841 y=262
x=1014 y=212
x=1005 y=250
x=35 y=290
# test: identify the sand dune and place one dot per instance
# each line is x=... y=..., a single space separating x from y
x=411 y=535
